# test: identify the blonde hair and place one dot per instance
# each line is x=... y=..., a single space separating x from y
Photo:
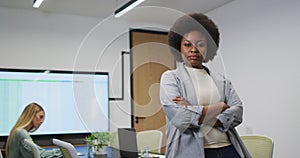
x=24 y=121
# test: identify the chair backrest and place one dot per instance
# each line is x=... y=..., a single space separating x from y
x=1 y=154
x=34 y=148
x=67 y=149
x=258 y=146
x=150 y=138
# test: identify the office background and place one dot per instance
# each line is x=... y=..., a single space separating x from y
x=259 y=48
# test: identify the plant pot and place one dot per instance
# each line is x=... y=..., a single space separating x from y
x=100 y=151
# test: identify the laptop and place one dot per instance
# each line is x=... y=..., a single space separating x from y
x=127 y=143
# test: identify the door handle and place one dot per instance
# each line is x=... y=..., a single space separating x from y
x=137 y=119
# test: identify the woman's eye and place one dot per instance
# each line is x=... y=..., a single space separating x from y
x=200 y=44
x=188 y=44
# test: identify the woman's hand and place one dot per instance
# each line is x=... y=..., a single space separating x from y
x=209 y=113
x=180 y=100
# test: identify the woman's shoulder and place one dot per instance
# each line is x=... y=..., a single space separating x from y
x=22 y=133
x=218 y=76
x=169 y=74
x=21 y=130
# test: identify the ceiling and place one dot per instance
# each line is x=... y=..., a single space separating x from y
x=106 y=8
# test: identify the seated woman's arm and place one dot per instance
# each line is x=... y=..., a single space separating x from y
x=26 y=150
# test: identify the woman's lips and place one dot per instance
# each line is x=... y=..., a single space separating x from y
x=193 y=57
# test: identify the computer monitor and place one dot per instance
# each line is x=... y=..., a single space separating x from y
x=74 y=102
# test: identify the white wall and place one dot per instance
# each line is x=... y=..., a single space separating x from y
x=260 y=48
x=42 y=40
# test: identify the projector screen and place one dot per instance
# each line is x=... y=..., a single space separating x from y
x=74 y=102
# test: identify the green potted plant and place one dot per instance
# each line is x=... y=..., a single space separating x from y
x=98 y=141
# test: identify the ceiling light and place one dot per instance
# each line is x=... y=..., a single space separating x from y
x=126 y=7
x=37 y=3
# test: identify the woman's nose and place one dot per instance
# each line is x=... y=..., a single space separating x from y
x=194 y=49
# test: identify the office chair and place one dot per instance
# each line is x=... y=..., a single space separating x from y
x=150 y=138
x=1 y=154
x=258 y=146
x=34 y=148
x=67 y=149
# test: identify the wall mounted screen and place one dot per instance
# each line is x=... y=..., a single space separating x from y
x=74 y=102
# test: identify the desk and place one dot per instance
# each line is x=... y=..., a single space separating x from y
x=83 y=149
x=80 y=149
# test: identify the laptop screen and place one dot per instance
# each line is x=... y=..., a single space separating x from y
x=127 y=143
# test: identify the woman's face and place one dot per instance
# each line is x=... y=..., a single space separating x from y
x=38 y=119
x=194 y=48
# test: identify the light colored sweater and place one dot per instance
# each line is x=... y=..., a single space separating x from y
x=207 y=93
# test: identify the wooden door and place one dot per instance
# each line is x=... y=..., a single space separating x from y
x=150 y=57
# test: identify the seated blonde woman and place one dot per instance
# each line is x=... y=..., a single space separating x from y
x=30 y=120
